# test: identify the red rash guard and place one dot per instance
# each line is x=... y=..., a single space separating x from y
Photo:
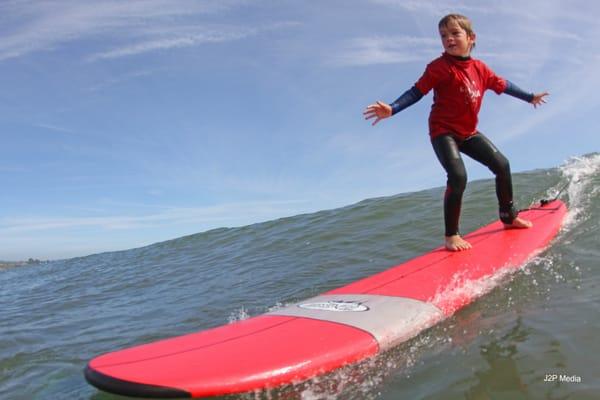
x=458 y=86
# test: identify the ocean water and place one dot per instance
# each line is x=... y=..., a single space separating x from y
x=533 y=334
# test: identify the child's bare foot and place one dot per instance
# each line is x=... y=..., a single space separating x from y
x=457 y=243
x=519 y=223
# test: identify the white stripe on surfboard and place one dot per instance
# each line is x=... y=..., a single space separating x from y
x=391 y=320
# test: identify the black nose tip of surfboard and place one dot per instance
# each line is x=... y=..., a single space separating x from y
x=133 y=389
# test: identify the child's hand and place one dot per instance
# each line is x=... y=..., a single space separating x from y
x=538 y=99
x=379 y=110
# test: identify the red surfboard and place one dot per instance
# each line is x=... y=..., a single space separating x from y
x=318 y=335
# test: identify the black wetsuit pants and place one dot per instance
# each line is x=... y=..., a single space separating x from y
x=448 y=148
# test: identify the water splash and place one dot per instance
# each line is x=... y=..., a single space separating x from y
x=581 y=173
x=238 y=315
x=362 y=381
x=461 y=290
x=277 y=306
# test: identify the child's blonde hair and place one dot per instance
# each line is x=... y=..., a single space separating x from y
x=462 y=21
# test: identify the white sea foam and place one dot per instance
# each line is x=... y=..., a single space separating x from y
x=461 y=288
x=581 y=189
x=238 y=315
x=279 y=305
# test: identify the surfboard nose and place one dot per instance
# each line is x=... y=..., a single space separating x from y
x=135 y=389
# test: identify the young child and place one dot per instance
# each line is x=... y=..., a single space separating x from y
x=458 y=82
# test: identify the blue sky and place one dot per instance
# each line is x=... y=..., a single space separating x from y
x=129 y=123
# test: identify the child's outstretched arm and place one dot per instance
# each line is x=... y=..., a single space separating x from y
x=515 y=91
x=380 y=110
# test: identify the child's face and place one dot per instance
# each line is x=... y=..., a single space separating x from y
x=455 y=40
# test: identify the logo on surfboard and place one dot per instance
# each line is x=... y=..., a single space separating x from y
x=335 y=305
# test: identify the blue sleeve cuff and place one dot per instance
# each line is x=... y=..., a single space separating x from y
x=515 y=91
x=410 y=97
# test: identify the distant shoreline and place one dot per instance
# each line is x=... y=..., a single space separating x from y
x=11 y=264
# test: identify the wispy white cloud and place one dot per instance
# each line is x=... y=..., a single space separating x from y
x=167 y=43
x=12 y=169
x=175 y=37
x=555 y=34
x=55 y=128
x=384 y=50
x=117 y=79
x=211 y=216
x=132 y=27
x=433 y=7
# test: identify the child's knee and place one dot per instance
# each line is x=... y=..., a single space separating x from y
x=457 y=181
x=501 y=166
